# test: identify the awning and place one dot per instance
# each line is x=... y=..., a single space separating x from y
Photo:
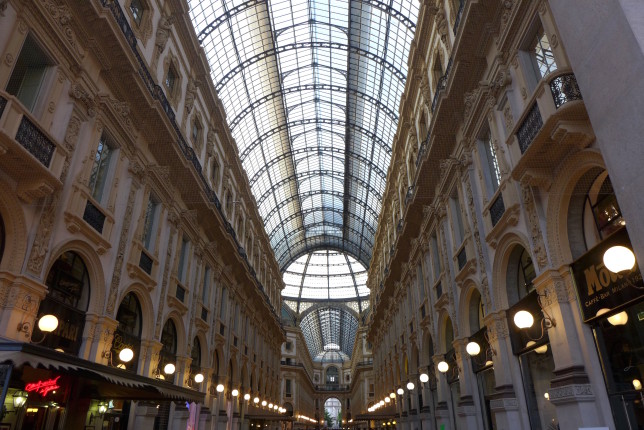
x=136 y=387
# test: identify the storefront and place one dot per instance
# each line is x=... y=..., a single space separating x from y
x=612 y=304
x=45 y=389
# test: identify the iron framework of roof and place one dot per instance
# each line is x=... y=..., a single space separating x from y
x=328 y=330
x=311 y=90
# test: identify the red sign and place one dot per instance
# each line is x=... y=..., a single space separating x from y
x=43 y=387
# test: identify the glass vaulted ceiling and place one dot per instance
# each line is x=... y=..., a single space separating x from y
x=311 y=91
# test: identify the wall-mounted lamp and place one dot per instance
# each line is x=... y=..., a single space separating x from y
x=400 y=391
x=264 y=403
x=235 y=392
x=169 y=369
x=410 y=385
x=524 y=319
x=19 y=399
x=619 y=259
x=199 y=378
x=617 y=319
x=247 y=397
x=46 y=323
x=256 y=400
x=443 y=367
x=220 y=388
x=424 y=377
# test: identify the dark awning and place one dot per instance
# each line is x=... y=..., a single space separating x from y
x=130 y=385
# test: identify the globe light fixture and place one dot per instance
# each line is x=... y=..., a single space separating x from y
x=392 y=395
x=382 y=403
x=264 y=403
x=256 y=400
x=619 y=259
x=270 y=406
x=126 y=355
x=489 y=363
x=424 y=377
x=410 y=385
x=546 y=395
x=540 y=350
x=523 y=319
x=246 y=396
x=169 y=369
x=47 y=323
x=235 y=393
x=443 y=367
x=400 y=391
x=199 y=378
x=618 y=319
x=220 y=388
x=387 y=400
x=473 y=348
x=637 y=384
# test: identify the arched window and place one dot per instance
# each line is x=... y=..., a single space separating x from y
x=128 y=331
x=67 y=299
x=602 y=215
x=168 y=354
x=195 y=355
x=449 y=335
x=519 y=276
x=476 y=312
x=332 y=375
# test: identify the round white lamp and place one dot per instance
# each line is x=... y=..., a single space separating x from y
x=199 y=378
x=220 y=388
x=47 y=323
x=637 y=384
x=169 y=369
x=424 y=377
x=387 y=400
x=473 y=348
x=126 y=355
x=619 y=259
x=400 y=391
x=443 y=367
x=256 y=400
x=410 y=385
x=523 y=319
x=246 y=396
x=392 y=395
x=235 y=392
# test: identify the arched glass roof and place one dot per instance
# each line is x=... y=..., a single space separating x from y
x=326 y=276
x=311 y=90
x=329 y=333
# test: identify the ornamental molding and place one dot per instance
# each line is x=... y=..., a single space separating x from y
x=505 y=404
x=571 y=394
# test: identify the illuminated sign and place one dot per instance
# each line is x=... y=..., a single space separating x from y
x=43 y=387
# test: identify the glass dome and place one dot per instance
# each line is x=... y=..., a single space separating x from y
x=326 y=275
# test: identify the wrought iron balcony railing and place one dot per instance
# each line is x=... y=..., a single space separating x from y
x=497 y=209
x=35 y=141
x=564 y=88
x=529 y=128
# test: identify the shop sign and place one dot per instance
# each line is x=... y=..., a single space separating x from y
x=599 y=288
x=43 y=387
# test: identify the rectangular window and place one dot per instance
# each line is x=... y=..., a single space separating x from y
x=436 y=258
x=222 y=307
x=457 y=220
x=421 y=282
x=29 y=73
x=100 y=168
x=196 y=131
x=150 y=223
x=543 y=59
x=288 y=388
x=491 y=162
x=205 y=291
x=183 y=260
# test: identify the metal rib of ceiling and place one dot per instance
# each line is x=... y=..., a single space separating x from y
x=311 y=90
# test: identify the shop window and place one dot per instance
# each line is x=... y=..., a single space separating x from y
x=29 y=73
x=168 y=353
x=101 y=168
x=619 y=341
x=150 y=223
x=137 y=9
x=128 y=331
x=486 y=385
x=67 y=299
x=537 y=367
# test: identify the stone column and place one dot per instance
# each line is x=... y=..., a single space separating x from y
x=179 y=417
x=144 y=414
x=570 y=388
x=149 y=359
x=426 y=411
x=466 y=411
x=100 y=348
x=507 y=406
x=443 y=416
x=598 y=35
x=23 y=296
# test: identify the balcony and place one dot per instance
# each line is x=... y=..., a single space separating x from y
x=332 y=387
x=554 y=123
x=28 y=154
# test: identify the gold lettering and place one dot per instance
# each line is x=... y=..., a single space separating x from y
x=592 y=282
